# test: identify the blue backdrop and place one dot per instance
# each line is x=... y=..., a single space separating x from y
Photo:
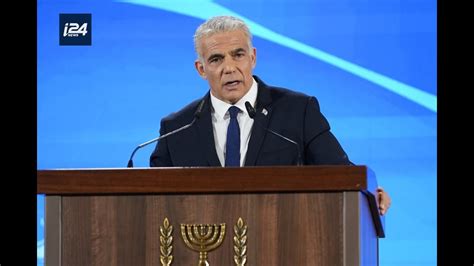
x=371 y=64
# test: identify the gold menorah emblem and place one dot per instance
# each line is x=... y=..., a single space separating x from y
x=203 y=238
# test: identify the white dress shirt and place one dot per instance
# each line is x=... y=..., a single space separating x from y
x=221 y=119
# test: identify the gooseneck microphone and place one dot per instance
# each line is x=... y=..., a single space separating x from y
x=252 y=112
x=197 y=115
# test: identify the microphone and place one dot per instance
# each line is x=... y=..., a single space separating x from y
x=197 y=115
x=252 y=112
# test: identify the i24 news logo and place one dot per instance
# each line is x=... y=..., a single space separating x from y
x=73 y=29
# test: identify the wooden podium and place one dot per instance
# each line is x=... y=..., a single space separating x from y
x=309 y=215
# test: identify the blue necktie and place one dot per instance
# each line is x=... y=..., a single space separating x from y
x=232 y=148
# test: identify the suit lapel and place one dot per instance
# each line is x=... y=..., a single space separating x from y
x=261 y=121
x=206 y=134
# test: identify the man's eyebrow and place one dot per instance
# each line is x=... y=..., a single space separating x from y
x=238 y=50
x=212 y=56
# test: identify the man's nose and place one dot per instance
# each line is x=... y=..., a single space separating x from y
x=229 y=66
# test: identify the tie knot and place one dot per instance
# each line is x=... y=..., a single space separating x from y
x=233 y=111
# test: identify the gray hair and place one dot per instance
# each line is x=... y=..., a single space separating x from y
x=217 y=25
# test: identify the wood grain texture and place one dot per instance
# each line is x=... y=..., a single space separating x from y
x=283 y=229
x=201 y=180
x=295 y=215
x=76 y=231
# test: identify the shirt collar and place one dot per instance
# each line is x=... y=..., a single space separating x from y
x=221 y=107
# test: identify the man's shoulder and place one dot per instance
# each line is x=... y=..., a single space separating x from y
x=185 y=113
x=282 y=94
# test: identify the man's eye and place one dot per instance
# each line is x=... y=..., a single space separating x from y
x=214 y=60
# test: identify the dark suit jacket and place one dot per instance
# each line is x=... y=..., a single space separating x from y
x=291 y=114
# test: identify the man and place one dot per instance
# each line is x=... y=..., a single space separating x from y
x=225 y=133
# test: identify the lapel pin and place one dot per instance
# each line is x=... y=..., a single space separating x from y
x=264 y=111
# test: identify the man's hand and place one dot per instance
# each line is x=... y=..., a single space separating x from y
x=383 y=200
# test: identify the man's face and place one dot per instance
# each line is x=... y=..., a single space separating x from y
x=227 y=64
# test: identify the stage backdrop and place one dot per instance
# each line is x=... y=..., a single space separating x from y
x=371 y=65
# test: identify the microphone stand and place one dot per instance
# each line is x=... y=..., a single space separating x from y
x=197 y=114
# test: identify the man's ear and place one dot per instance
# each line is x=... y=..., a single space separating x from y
x=200 y=69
